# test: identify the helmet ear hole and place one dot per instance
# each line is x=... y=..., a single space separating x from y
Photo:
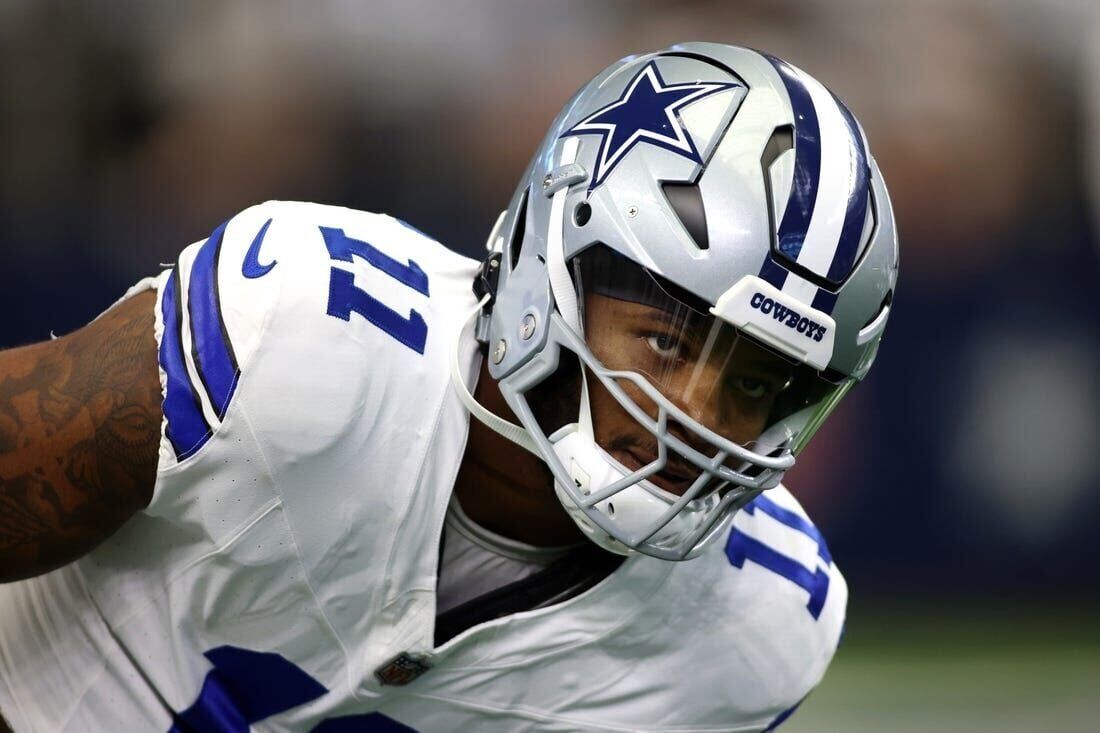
x=555 y=402
x=582 y=214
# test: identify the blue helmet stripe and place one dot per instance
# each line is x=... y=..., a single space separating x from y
x=807 y=163
x=211 y=347
x=852 y=232
x=186 y=429
x=824 y=301
x=772 y=272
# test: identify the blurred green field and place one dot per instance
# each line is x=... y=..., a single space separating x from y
x=961 y=670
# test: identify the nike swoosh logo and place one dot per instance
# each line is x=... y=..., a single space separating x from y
x=252 y=267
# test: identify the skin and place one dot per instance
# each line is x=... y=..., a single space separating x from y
x=731 y=392
x=510 y=491
x=79 y=434
x=80 y=421
x=80 y=429
x=80 y=424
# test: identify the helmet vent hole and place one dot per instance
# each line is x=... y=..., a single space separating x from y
x=886 y=302
x=687 y=201
x=582 y=214
x=518 y=230
x=781 y=141
x=610 y=509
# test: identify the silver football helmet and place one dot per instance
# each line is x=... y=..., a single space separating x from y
x=704 y=242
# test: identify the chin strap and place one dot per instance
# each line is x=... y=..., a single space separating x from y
x=515 y=433
x=561 y=285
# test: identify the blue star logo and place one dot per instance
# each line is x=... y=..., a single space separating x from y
x=647 y=112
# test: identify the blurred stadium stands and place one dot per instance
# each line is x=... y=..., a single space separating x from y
x=959 y=487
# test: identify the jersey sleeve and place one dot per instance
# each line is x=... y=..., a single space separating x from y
x=208 y=322
x=254 y=369
x=795 y=595
x=300 y=352
x=292 y=340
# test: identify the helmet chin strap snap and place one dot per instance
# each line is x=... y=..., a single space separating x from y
x=564 y=176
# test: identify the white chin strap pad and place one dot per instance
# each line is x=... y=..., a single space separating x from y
x=583 y=460
x=592 y=469
x=515 y=433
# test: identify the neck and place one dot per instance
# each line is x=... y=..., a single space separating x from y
x=504 y=488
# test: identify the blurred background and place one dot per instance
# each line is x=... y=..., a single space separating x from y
x=959 y=487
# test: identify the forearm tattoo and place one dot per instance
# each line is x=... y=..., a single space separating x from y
x=79 y=434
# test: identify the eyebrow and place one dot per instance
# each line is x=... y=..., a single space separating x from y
x=679 y=316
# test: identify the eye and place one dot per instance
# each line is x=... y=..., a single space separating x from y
x=754 y=388
x=663 y=344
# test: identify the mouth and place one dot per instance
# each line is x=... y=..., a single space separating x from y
x=675 y=478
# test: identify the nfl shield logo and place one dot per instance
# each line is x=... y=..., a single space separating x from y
x=402 y=669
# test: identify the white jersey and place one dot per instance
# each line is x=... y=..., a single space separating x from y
x=284 y=575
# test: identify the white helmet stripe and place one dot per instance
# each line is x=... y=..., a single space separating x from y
x=823 y=222
x=859 y=198
x=834 y=182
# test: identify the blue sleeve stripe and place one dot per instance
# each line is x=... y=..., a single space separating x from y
x=211 y=348
x=793 y=520
x=783 y=716
x=187 y=429
x=243 y=688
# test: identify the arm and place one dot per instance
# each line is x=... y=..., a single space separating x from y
x=79 y=434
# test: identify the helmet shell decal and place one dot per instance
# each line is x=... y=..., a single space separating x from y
x=648 y=111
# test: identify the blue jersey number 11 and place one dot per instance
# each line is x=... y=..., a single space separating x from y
x=741 y=548
x=344 y=297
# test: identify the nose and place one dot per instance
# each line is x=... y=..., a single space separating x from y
x=706 y=412
x=710 y=412
x=703 y=397
x=717 y=409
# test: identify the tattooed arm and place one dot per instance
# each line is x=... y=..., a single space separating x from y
x=79 y=433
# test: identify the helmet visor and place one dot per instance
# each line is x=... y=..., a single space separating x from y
x=723 y=380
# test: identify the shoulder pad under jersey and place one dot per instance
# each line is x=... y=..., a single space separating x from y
x=280 y=302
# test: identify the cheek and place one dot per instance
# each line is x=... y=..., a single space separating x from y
x=556 y=402
x=610 y=420
x=746 y=419
x=614 y=350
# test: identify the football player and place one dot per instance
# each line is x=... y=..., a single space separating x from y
x=251 y=495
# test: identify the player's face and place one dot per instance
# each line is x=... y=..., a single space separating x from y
x=726 y=383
